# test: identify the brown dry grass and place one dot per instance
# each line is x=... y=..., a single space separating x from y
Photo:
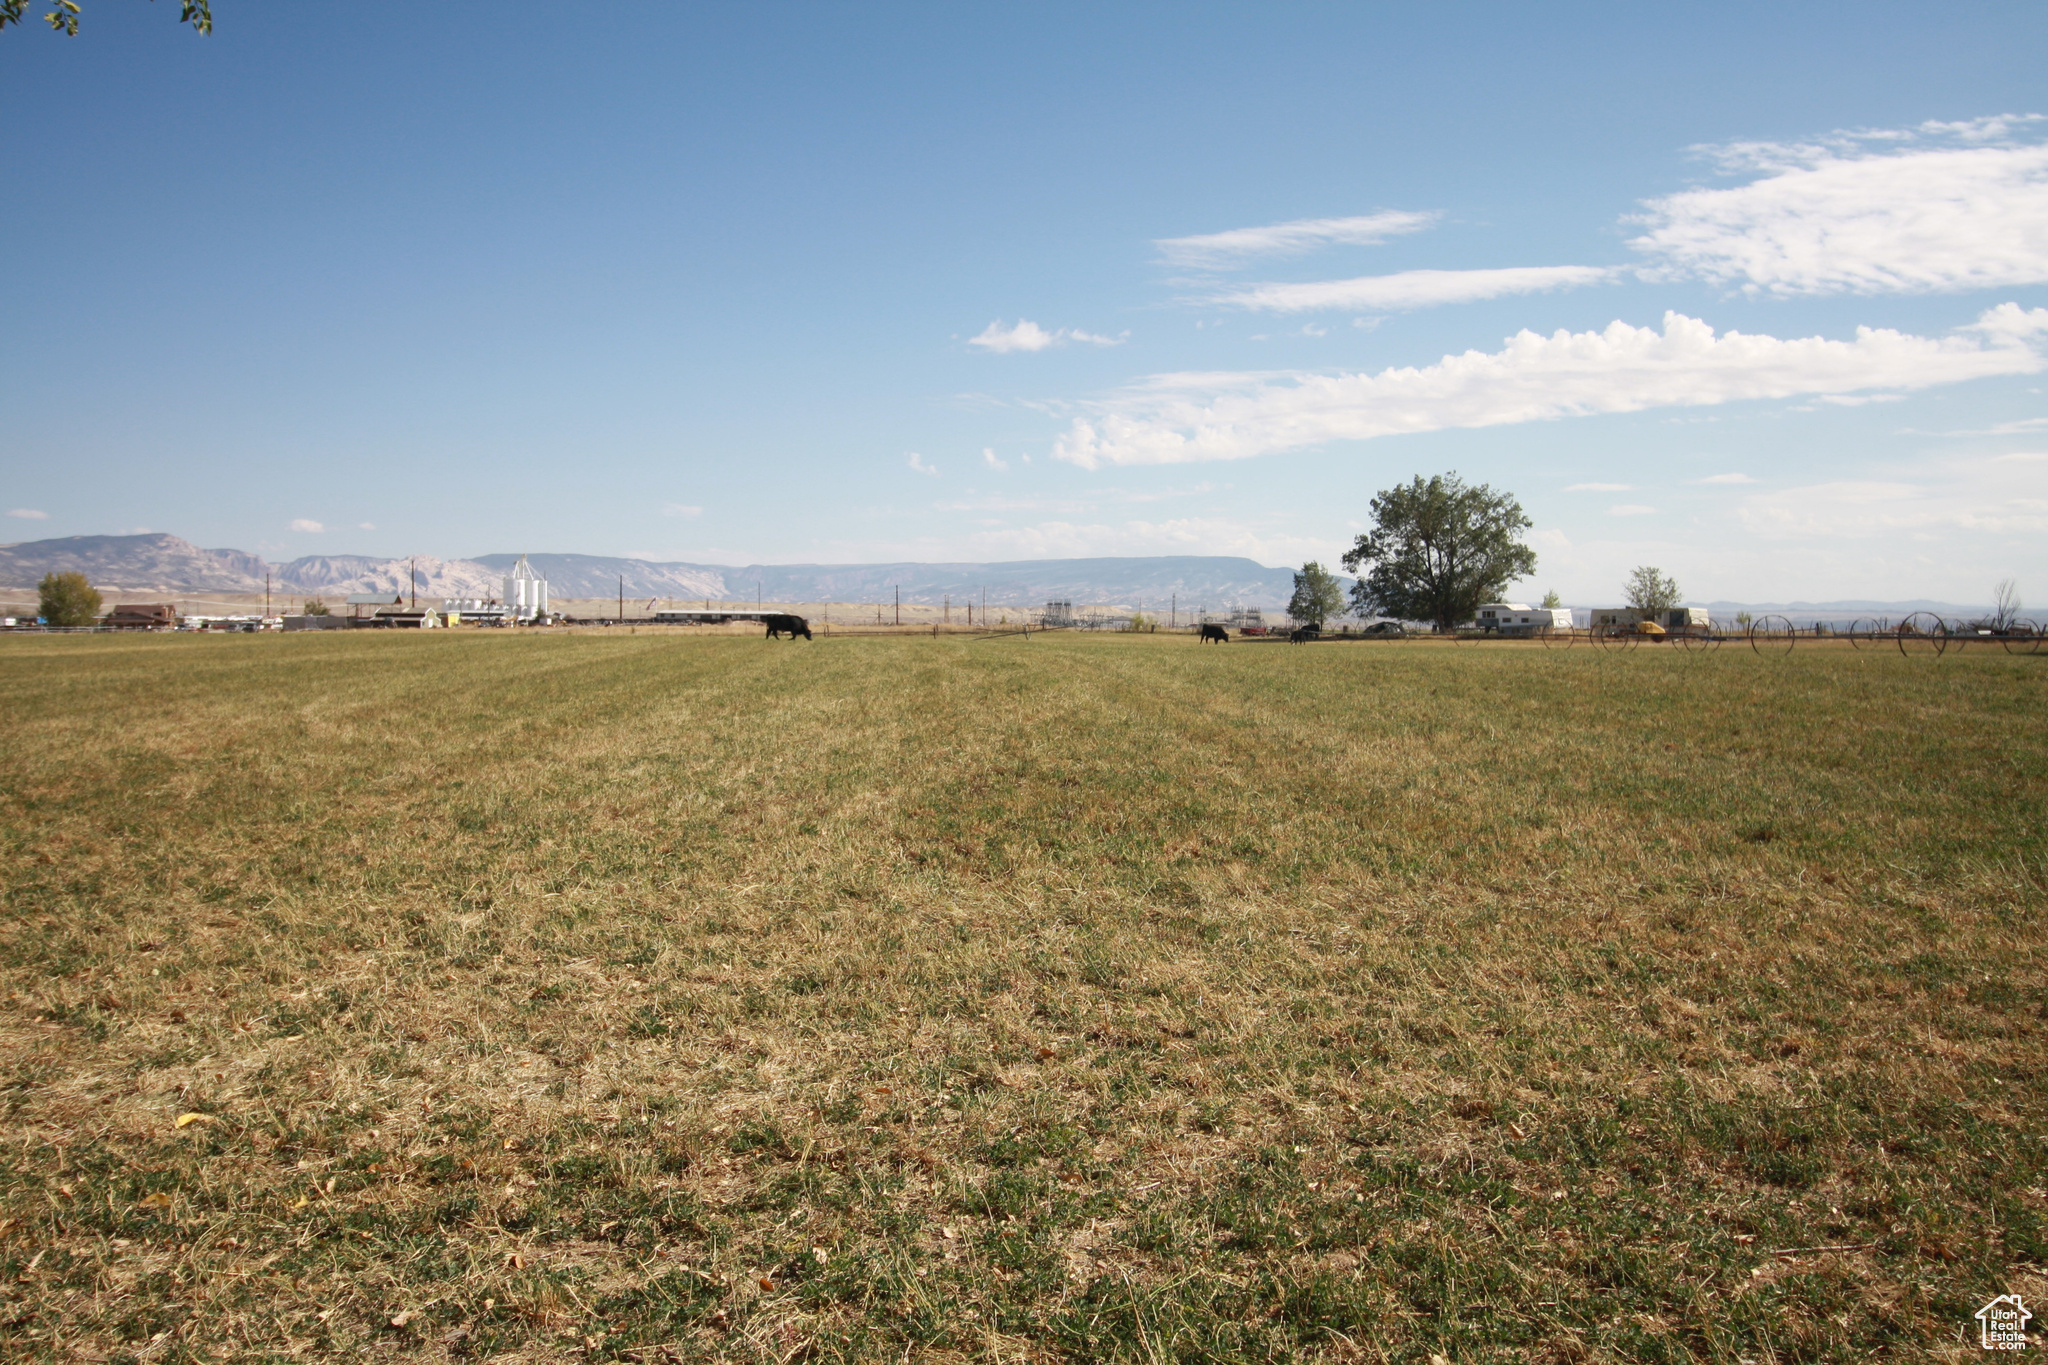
x=652 y=997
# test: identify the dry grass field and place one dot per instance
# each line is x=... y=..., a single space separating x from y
x=494 y=995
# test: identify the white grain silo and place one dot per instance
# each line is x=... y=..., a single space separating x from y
x=526 y=592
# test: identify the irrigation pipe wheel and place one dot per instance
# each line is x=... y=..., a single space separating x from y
x=1693 y=643
x=2023 y=637
x=1922 y=633
x=1772 y=635
x=1615 y=639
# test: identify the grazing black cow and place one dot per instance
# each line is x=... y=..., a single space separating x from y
x=1301 y=635
x=779 y=622
x=1216 y=633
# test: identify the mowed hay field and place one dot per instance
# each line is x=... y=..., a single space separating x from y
x=509 y=996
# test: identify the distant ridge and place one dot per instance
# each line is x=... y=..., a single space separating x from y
x=159 y=563
x=162 y=563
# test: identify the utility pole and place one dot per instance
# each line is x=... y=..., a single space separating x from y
x=947 y=609
x=266 y=594
x=412 y=570
x=1174 y=619
x=899 y=604
x=622 y=599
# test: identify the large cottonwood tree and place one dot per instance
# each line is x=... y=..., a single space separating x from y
x=1438 y=548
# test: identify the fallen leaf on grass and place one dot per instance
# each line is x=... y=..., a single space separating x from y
x=187 y=1120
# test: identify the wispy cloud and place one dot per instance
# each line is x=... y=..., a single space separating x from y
x=2026 y=426
x=1216 y=250
x=307 y=525
x=993 y=460
x=1415 y=288
x=1598 y=487
x=1994 y=495
x=1027 y=335
x=1726 y=478
x=28 y=514
x=1176 y=418
x=1631 y=509
x=1938 y=208
x=366 y=526
x=681 y=509
x=916 y=462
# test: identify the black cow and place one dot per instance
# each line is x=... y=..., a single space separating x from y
x=1301 y=635
x=779 y=622
x=1216 y=633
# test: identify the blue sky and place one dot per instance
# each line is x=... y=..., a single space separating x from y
x=752 y=283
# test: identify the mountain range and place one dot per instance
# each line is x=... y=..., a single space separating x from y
x=160 y=563
x=143 y=564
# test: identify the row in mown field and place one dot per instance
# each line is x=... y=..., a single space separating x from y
x=1091 y=998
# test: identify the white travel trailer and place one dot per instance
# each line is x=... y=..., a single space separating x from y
x=1519 y=618
x=1692 y=619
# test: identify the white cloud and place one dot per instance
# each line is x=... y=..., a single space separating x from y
x=917 y=463
x=1631 y=509
x=1220 y=249
x=2024 y=427
x=1415 y=288
x=366 y=526
x=1726 y=478
x=1995 y=495
x=1025 y=336
x=1857 y=400
x=307 y=524
x=992 y=460
x=681 y=509
x=1939 y=208
x=28 y=514
x=1029 y=336
x=1598 y=487
x=1172 y=419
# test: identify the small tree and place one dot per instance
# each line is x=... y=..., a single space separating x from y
x=1551 y=600
x=315 y=607
x=1651 y=590
x=68 y=599
x=1437 y=549
x=1139 y=621
x=1317 y=596
x=2005 y=605
x=1744 y=619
